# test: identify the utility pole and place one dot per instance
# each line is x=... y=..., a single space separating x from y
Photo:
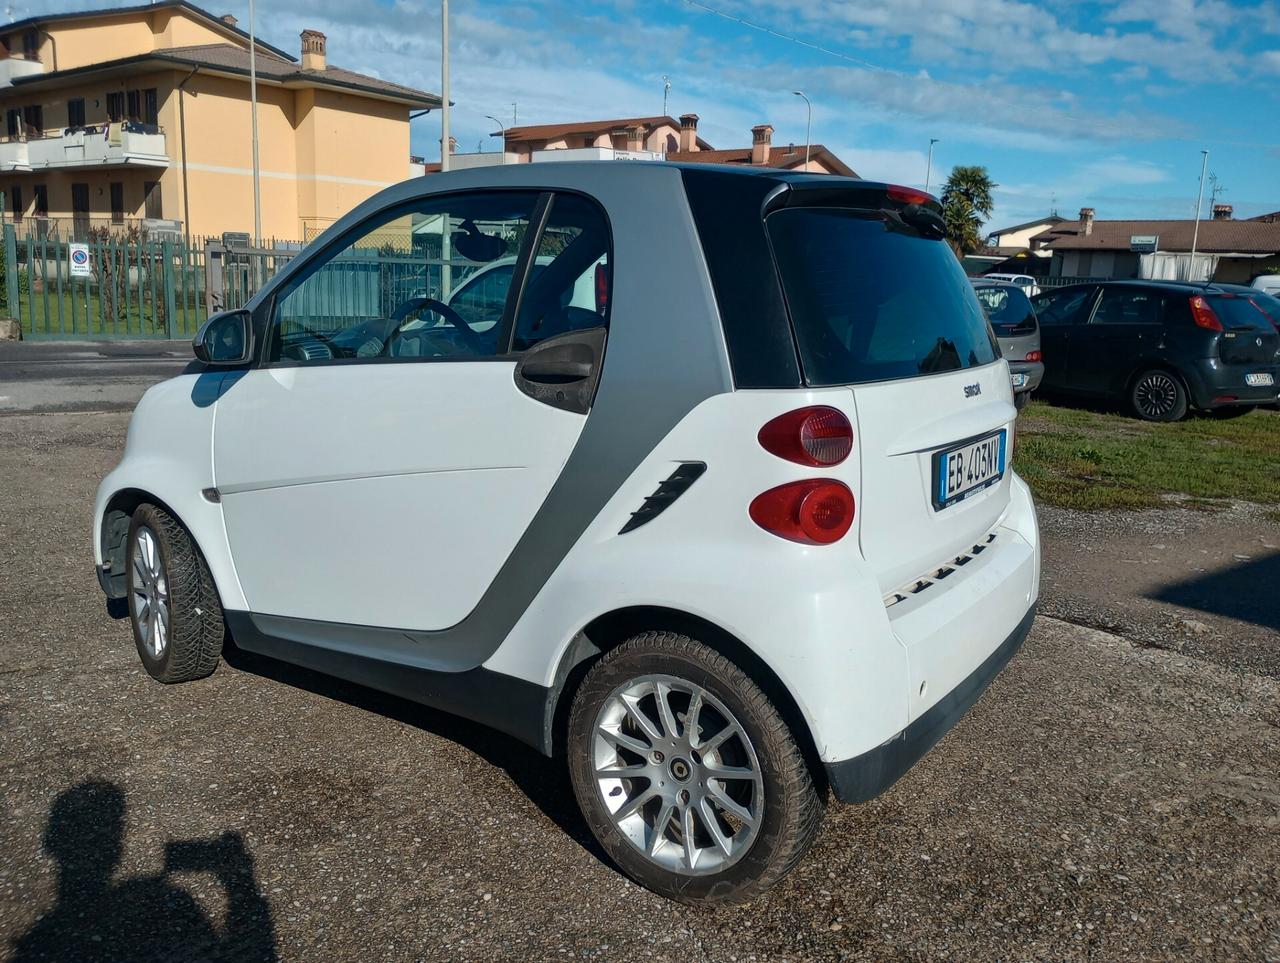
x=928 y=171
x=444 y=85
x=253 y=120
x=515 y=119
x=1195 y=234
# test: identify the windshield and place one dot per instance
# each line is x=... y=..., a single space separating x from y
x=872 y=301
x=1008 y=308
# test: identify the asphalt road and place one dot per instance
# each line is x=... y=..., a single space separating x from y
x=1104 y=800
x=85 y=376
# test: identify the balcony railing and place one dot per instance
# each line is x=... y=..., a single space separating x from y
x=98 y=145
x=12 y=67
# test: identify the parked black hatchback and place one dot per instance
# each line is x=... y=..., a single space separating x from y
x=1159 y=347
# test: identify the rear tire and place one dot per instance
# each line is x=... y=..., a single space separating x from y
x=1158 y=395
x=174 y=607
x=660 y=810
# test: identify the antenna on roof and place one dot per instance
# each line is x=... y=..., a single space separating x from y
x=666 y=88
x=514 y=119
x=1053 y=203
x=8 y=12
x=1216 y=189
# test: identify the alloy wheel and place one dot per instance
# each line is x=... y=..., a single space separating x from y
x=1156 y=394
x=150 y=593
x=678 y=774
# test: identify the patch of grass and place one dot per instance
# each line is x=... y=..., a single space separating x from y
x=1085 y=459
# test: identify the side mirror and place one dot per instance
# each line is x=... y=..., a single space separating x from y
x=225 y=339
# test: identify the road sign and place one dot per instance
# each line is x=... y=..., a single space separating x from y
x=80 y=267
x=1144 y=243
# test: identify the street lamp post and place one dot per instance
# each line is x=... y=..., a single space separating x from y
x=928 y=171
x=504 y=134
x=444 y=85
x=253 y=122
x=808 y=124
x=1195 y=234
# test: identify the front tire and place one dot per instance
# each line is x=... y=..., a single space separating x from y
x=173 y=605
x=1158 y=395
x=687 y=774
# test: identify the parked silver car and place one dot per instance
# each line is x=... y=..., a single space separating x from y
x=1017 y=330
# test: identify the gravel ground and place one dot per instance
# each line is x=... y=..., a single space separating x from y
x=1103 y=801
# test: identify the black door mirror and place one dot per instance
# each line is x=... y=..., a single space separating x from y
x=225 y=339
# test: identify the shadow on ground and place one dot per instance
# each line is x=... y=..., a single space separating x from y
x=544 y=781
x=99 y=917
x=1246 y=592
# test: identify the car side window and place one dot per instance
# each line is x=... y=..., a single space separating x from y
x=571 y=278
x=1126 y=306
x=1061 y=307
x=425 y=281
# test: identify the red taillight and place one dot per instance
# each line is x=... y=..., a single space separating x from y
x=908 y=195
x=812 y=436
x=815 y=512
x=1203 y=315
x=602 y=289
x=1036 y=355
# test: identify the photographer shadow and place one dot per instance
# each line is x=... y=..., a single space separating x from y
x=98 y=917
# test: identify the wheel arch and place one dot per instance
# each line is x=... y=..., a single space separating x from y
x=609 y=630
x=113 y=534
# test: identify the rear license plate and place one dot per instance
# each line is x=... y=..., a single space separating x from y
x=1019 y=380
x=1259 y=379
x=968 y=468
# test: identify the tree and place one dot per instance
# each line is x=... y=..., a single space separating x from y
x=966 y=204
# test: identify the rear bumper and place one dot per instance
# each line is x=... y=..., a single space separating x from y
x=866 y=776
x=1034 y=370
x=1213 y=384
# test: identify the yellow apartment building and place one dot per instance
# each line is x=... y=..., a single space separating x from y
x=113 y=116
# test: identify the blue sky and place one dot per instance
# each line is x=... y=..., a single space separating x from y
x=1073 y=104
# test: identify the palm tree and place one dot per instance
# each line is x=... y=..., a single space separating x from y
x=966 y=204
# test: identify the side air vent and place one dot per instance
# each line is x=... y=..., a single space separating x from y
x=677 y=484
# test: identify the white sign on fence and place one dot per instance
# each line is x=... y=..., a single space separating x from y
x=80 y=267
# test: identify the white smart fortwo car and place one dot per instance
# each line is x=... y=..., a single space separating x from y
x=709 y=494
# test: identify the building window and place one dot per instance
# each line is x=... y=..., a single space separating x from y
x=150 y=108
x=115 y=106
x=135 y=104
x=75 y=112
x=117 y=202
x=152 y=208
x=31 y=45
x=15 y=203
x=80 y=210
x=42 y=200
x=33 y=120
x=13 y=119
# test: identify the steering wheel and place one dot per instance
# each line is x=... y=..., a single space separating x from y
x=414 y=305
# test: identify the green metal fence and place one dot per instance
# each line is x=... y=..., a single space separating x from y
x=128 y=287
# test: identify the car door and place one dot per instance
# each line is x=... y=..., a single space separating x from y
x=1060 y=314
x=382 y=477
x=1104 y=349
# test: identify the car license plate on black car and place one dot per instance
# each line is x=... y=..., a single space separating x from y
x=1259 y=379
x=968 y=468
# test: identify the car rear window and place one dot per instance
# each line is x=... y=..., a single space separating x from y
x=1237 y=312
x=1008 y=308
x=871 y=300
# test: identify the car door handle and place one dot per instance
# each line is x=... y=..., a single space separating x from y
x=555 y=371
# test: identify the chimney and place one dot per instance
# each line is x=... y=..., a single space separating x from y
x=635 y=137
x=761 y=143
x=688 y=133
x=1222 y=212
x=313 y=42
x=229 y=19
x=1086 y=221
